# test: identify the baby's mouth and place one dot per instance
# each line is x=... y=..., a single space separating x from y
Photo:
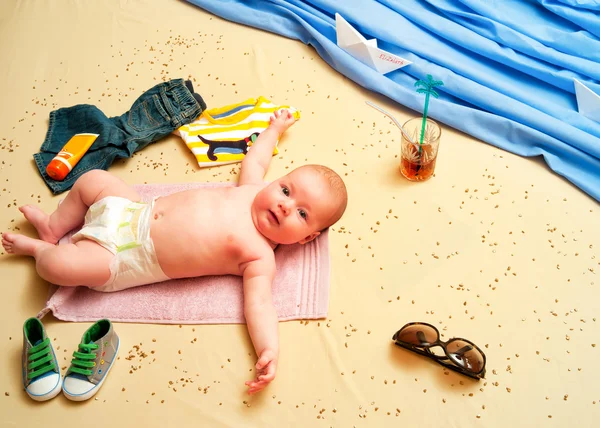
x=273 y=217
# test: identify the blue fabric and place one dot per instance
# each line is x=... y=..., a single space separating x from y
x=585 y=20
x=508 y=66
x=155 y=114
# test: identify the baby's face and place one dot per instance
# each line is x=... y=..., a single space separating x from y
x=294 y=208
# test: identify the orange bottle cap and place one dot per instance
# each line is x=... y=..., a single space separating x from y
x=57 y=170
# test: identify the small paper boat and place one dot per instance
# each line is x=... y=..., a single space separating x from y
x=366 y=51
x=588 y=102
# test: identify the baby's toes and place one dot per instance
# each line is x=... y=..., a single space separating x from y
x=7 y=246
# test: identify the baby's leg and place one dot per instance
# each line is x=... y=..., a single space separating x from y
x=89 y=188
x=82 y=263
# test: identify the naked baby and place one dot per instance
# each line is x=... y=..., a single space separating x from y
x=126 y=242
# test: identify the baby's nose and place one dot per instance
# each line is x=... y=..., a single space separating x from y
x=285 y=206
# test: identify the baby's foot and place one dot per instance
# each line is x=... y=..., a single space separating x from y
x=41 y=221
x=21 y=245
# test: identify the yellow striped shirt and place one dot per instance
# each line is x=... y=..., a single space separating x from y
x=224 y=135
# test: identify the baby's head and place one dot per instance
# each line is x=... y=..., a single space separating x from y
x=299 y=205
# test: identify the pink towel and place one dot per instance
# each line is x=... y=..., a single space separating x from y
x=300 y=288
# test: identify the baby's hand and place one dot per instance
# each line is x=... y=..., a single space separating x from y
x=282 y=120
x=266 y=366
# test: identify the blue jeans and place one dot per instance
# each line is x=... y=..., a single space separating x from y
x=155 y=114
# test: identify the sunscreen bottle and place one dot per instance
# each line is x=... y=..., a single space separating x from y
x=70 y=154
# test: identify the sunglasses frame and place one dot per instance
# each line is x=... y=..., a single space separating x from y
x=441 y=359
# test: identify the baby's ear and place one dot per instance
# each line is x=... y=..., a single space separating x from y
x=309 y=238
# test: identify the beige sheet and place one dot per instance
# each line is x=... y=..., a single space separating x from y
x=496 y=248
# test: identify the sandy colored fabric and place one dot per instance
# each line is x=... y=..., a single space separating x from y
x=300 y=288
x=495 y=248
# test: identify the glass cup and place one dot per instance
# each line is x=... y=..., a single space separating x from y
x=418 y=160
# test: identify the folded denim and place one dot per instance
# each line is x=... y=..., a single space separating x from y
x=154 y=115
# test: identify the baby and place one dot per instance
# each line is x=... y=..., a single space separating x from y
x=126 y=243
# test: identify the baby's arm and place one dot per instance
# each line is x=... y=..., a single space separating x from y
x=257 y=160
x=262 y=321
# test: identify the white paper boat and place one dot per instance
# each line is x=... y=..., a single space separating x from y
x=588 y=102
x=366 y=51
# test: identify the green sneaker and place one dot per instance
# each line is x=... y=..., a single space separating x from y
x=92 y=362
x=41 y=376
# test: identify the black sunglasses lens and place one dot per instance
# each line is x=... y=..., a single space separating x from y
x=466 y=355
x=418 y=335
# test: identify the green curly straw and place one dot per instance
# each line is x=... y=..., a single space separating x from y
x=427 y=89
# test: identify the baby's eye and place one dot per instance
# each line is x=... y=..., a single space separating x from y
x=302 y=214
x=285 y=191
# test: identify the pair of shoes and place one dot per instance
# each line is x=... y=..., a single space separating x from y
x=89 y=367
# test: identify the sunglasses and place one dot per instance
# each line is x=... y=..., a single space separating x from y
x=462 y=356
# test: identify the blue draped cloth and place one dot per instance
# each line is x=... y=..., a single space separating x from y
x=507 y=66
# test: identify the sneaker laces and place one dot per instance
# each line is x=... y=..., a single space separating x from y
x=41 y=358
x=84 y=359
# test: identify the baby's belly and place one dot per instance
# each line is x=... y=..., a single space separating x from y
x=184 y=253
x=197 y=233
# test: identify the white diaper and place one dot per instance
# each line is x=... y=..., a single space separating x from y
x=123 y=228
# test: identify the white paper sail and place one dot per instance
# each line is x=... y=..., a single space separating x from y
x=588 y=102
x=366 y=51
